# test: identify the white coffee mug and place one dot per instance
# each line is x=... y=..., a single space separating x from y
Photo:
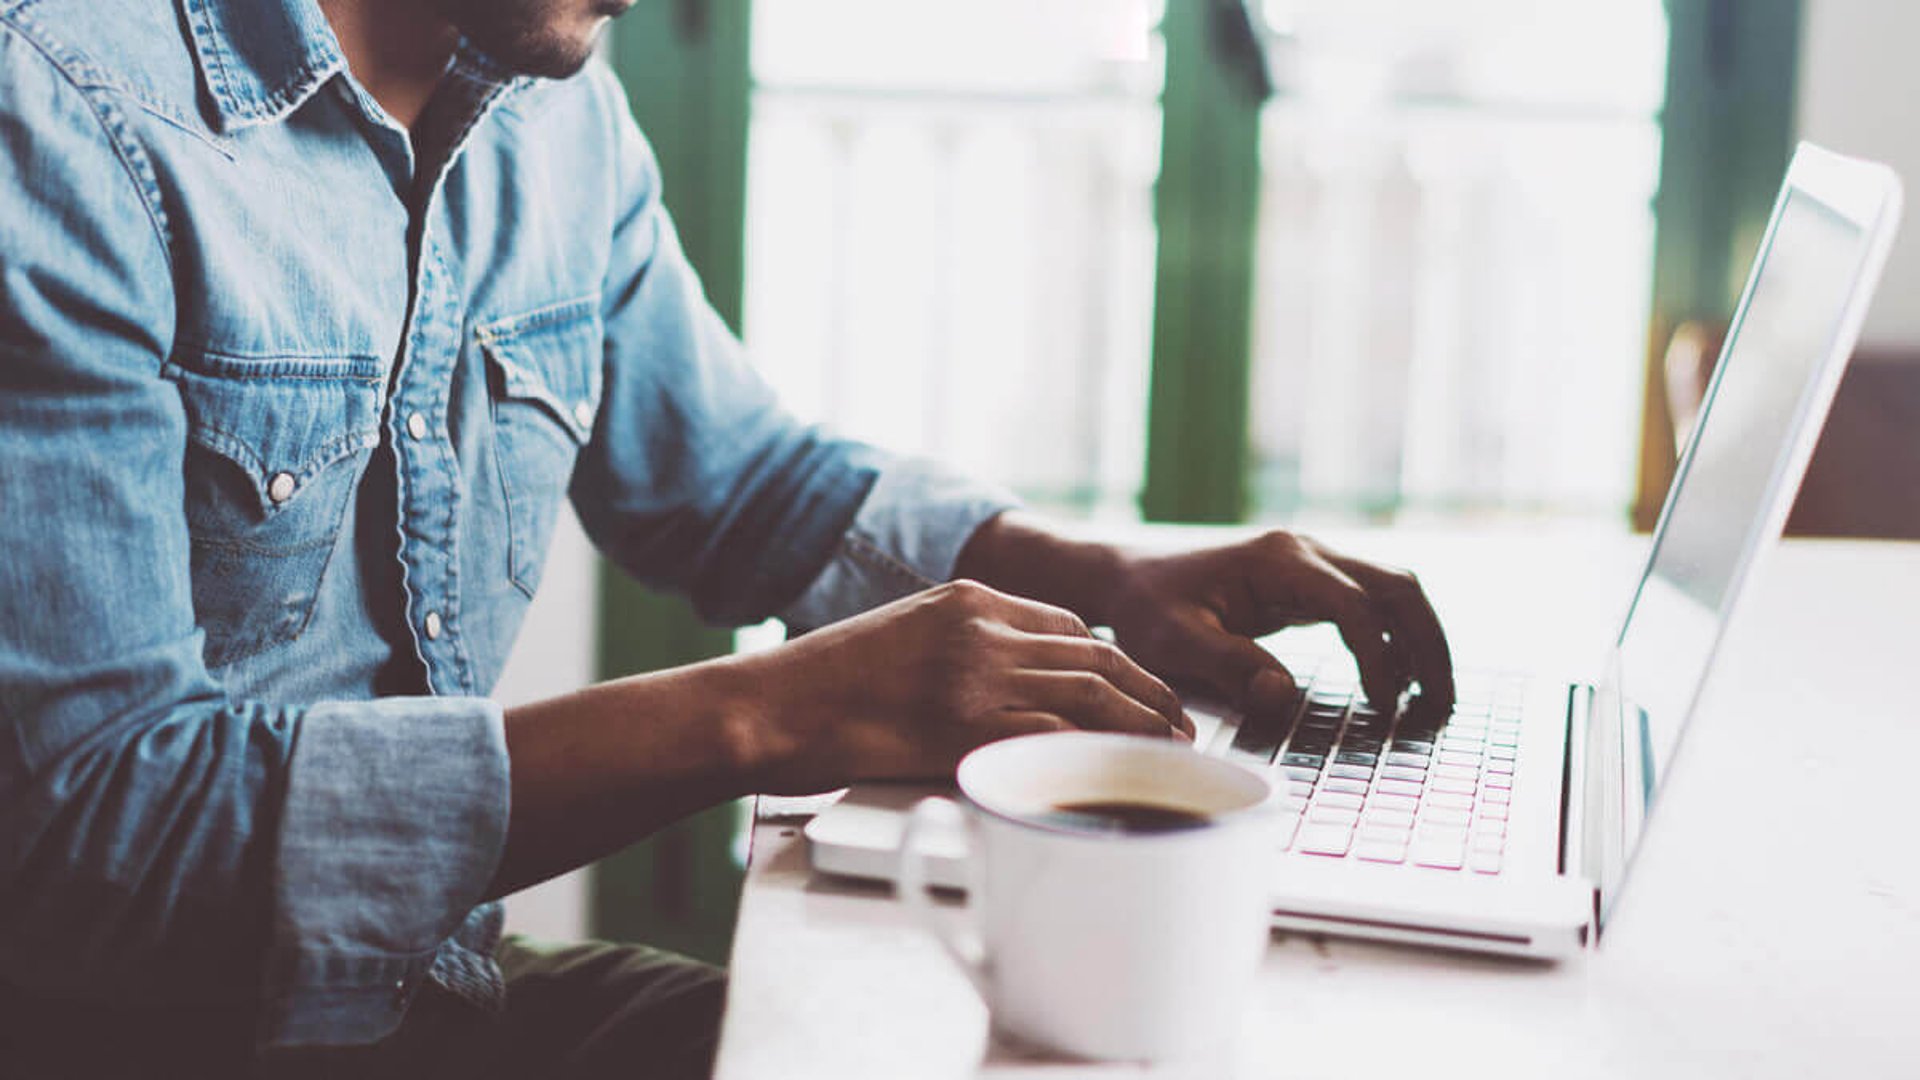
x=1115 y=945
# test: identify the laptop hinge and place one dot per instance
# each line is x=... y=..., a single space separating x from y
x=1573 y=772
x=1573 y=801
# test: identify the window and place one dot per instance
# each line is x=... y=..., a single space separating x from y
x=949 y=231
x=1455 y=256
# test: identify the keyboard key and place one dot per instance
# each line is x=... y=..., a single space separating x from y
x=1399 y=821
x=1486 y=862
x=1323 y=839
x=1350 y=772
x=1494 y=812
x=1441 y=854
x=1457 y=772
x=1355 y=757
x=1305 y=761
x=1289 y=824
x=1387 y=800
x=1446 y=815
x=1356 y=788
x=1300 y=790
x=1448 y=798
x=1496 y=796
x=1402 y=772
x=1344 y=800
x=1485 y=842
x=1303 y=773
x=1503 y=753
x=1406 y=760
x=1398 y=787
x=1498 y=765
x=1486 y=826
x=1409 y=744
x=1326 y=814
x=1499 y=780
x=1455 y=757
x=1383 y=851
x=1451 y=785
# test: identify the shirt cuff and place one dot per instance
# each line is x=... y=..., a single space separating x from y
x=906 y=536
x=394 y=822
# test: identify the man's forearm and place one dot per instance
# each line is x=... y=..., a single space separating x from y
x=1014 y=553
x=599 y=768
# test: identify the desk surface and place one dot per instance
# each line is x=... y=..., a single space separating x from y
x=1772 y=927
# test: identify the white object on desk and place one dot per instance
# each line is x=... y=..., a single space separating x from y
x=1111 y=945
x=1773 y=929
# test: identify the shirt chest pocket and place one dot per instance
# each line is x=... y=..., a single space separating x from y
x=544 y=379
x=276 y=446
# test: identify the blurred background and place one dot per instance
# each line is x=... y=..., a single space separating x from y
x=1448 y=263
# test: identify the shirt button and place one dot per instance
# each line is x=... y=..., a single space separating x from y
x=433 y=626
x=583 y=412
x=280 y=488
x=417 y=425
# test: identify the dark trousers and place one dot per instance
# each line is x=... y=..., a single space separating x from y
x=578 y=1012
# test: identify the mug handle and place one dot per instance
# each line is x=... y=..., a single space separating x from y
x=960 y=937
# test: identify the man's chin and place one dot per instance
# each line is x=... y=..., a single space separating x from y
x=550 y=39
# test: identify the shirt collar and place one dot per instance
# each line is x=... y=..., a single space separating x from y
x=261 y=59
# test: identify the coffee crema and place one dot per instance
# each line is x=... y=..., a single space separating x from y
x=1121 y=816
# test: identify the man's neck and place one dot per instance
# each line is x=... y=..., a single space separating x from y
x=397 y=49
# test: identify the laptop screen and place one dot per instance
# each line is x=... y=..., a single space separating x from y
x=1740 y=471
x=1742 y=446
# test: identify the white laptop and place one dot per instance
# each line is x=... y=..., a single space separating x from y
x=1510 y=825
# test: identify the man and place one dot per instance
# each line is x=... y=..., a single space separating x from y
x=310 y=311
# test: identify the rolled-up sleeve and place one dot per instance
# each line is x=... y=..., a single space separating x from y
x=161 y=842
x=699 y=482
x=393 y=823
x=906 y=536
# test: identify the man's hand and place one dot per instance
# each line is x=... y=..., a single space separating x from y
x=906 y=689
x=1191 y=617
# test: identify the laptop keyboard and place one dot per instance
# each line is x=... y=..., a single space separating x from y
x=1412 y=788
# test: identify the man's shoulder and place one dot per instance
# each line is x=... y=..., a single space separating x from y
x=134 y=52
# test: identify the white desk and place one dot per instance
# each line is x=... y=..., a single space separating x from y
x=1772 y=927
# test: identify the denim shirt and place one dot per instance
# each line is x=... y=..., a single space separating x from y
x=288 y=405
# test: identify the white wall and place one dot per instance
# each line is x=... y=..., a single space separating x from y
x=554 y=655
x=1859 y=85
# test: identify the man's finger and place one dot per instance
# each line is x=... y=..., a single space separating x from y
x=1025 y=722
x=1107 y=660
x=1411 y=620
x=1341 y=599
x=1088 y=701
x=1033 y=616
x=1238 y=669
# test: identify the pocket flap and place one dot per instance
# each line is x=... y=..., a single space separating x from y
x=551 y=358
x=280 y=422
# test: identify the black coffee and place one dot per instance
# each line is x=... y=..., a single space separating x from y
x=1120 y=816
